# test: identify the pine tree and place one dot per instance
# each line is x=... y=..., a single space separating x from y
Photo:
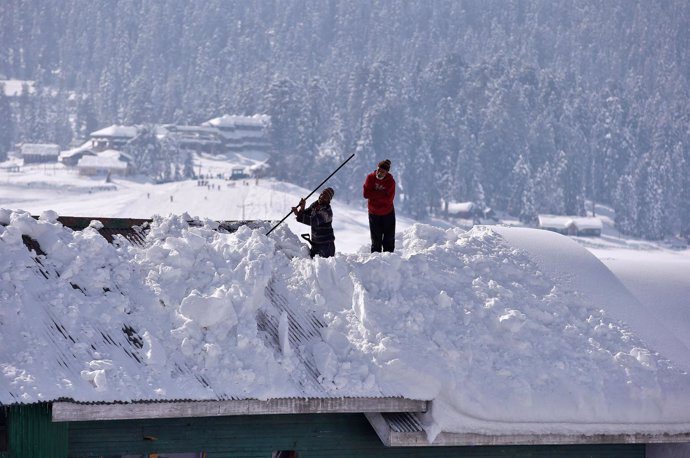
x=518 y=181
x=625 y=206
x=549 y=184
x=147 y=153
x=528 y=212
x=652 y=218
x=86 y=121
x=6 y=125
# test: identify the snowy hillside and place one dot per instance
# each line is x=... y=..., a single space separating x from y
x=55 y=187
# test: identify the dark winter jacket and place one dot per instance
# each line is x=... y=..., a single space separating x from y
x=320 y=218
x=380 y=193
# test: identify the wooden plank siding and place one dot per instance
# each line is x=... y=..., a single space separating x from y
x=31 y=434
x=311 y=435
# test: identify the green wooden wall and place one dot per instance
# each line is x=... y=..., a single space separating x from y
x=311 y=435
x=31 y=434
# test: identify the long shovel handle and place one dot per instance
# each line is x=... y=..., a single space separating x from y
x=314 y=190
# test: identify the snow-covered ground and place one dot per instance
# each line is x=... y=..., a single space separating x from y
x=508 y=330
x=55 y=187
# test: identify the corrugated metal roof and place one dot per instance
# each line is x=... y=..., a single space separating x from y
x=121 y=338
x=132 y=229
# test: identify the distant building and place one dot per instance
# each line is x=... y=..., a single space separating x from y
x=196 y=138
x=225 y=134
x=34 y=153
x=15 y=88
x=104 y=163
x=464 y=210
x=113 y=137
x=243 y=133
x=571 y=225
x=71 y=157
x=469 y=210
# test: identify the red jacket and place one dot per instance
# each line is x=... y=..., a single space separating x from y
x=380 y=194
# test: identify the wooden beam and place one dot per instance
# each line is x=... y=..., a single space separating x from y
x=72 y=411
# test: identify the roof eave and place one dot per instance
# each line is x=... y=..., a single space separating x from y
x=73 y=411
x=415 y=436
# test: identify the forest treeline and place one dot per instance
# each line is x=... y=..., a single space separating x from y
x=523 y=106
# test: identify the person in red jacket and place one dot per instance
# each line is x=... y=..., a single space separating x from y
x=379 y=190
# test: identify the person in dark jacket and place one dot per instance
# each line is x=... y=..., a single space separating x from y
x=379 y=190
x=319 y=216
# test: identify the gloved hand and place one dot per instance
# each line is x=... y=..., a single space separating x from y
x=300 y=207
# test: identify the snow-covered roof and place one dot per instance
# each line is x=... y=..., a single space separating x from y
x=109 y=159
x=40 y=149
x=116 y=131
x=208 y=130
x=85 y=147
x=14 y=88
x=505 y=331
x=461 y=207
x=234 y=121
x=564 y=222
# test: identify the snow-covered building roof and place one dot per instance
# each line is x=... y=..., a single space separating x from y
x=495 y=335
x=40 y=149
x=86 y=146
x=105 y=161
x=14 y=88
x=569 y=224
x=116 y=131
x=195 y=137
x=236 y=121
x=461 y=207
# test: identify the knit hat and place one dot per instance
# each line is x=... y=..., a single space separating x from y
x=328 y=192
x=385 y=165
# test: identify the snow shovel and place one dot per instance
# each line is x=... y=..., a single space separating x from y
x=315 y=189
x=306 y=237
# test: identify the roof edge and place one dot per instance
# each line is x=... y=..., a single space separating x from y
x=394 y=436
x=74 y=411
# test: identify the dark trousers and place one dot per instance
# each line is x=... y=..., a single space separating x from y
x=325 y=250
x=382 y=230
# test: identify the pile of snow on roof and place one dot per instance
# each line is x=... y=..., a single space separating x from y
x=460 y=318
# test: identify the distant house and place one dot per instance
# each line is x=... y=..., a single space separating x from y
x=225 y=134
x=113 y=137
x=469 y=210
x=243 y=133
x=15 y=88
x=104 y=163
x=196 y=138
x=71 y=157
x=465 y=210
x=571 y=225
x=35 y=153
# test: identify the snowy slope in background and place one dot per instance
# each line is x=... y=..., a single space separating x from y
x=54 y=187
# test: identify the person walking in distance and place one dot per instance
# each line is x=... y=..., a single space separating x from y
x=379 y=190
x=319 y=216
